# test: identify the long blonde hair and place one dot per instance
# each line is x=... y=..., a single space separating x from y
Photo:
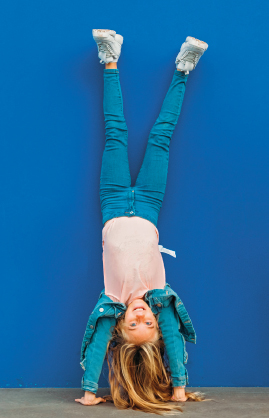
x=139 y=375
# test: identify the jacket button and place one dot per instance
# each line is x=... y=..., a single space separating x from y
x=159 y=304
x=101 y=310
x=91 y=326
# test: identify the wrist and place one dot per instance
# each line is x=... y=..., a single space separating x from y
x=179 y=389
x=179 y=394
x=89 y=395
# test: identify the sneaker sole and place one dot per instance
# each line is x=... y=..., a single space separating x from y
x=102 y=33
x=196 y=42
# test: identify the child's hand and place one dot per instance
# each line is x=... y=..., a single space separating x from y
x=90 y=399
x=179 y=395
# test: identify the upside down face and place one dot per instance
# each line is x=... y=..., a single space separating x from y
x=140 y=324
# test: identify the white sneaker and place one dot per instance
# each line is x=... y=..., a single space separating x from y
x=108 y=43
x=190 y=53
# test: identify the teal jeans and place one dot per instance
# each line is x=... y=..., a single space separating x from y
x=117 y=196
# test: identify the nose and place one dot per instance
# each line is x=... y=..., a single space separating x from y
x=140 y=314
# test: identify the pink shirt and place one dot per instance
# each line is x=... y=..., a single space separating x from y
x=132 y=260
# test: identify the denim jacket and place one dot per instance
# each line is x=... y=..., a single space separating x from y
x=173 y=320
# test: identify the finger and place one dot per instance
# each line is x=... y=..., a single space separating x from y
x=98 y=400
x=79 y=400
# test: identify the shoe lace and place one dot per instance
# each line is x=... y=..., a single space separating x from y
x=105 y=47
x=190 y=56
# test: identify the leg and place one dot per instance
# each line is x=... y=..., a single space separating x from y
x=115 y=174
x=151 y=181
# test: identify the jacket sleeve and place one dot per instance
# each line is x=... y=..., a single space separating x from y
x=95 y=353
x=174 y=345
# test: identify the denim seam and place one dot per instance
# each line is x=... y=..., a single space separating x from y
x=147 y=217
x=175 y=347
x=89 y=362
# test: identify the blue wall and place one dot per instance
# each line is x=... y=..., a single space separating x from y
x=215 y=212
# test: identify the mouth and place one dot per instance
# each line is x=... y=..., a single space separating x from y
x=138 y=309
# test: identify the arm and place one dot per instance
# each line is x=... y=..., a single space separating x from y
x=95 y=353
x=174 y=344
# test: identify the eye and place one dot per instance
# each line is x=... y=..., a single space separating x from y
x=133 y=324
x=148 y=323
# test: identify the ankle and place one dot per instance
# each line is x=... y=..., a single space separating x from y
x=111 y=65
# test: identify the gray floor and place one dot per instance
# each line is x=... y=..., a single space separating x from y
x=50 y=403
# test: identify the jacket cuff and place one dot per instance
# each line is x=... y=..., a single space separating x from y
x=90 y=386
x=180 y=381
